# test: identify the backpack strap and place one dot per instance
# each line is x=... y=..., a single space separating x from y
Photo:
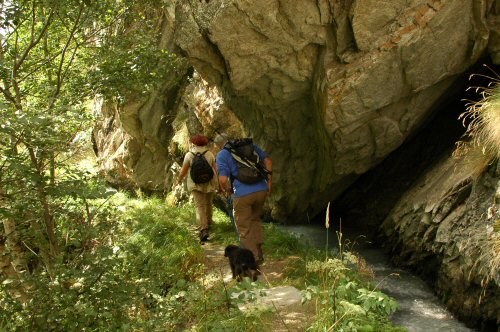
x=244 y=160
x=255 y=165
x=196 y=153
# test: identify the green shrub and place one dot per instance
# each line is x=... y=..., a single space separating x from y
x=117 y=273
x=344 y=301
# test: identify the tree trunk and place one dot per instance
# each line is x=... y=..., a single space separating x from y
x=12 y=252
x=12 y=257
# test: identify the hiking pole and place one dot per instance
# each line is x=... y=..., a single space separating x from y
x=231 y=216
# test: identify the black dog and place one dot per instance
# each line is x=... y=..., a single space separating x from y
x=242 y=262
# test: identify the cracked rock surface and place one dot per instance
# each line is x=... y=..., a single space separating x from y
x=330 y=88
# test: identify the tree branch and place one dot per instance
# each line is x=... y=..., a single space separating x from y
x=63 y=55
x=8 y=95
x=34 y=41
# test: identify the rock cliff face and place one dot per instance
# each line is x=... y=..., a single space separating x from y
x=444 y=227
x=438 y=215
x=140 y=144
x=331 y=87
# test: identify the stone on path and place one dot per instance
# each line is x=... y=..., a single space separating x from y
x=281 y=296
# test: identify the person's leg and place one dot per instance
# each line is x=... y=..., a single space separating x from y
x=209 y=200
x=243 y=217
x=200 y=203
x=256 y=224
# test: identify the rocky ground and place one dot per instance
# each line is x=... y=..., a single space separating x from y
x=283 y=299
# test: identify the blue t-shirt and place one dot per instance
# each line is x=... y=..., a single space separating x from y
x=227 y=166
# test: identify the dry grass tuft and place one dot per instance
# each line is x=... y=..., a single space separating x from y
x=482 y=120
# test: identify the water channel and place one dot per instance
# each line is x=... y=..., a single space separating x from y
x=419 y=308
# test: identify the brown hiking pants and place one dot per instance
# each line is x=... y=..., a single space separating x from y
x=203 y=203
x=247 y=213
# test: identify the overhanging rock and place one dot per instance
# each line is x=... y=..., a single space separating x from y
x=330 y=88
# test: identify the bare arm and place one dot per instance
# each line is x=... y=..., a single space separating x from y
x=214 y=166
x=184 y=170
x=224 y=184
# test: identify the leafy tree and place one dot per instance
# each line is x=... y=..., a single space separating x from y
x=55 y=57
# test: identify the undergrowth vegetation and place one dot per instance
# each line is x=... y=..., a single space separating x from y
x=139 y=266
x=344 y=300
x=340 y=286
x=140 y=269
x=113 y=272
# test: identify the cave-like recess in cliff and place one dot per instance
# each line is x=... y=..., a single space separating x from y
x=368 y=201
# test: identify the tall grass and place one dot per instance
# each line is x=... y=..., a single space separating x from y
x=482 y=118
x=337 y=284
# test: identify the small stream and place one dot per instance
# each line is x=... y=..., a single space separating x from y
x=419 y=309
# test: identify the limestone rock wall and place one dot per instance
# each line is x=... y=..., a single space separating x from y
x=331 y=87
x=444 y=227
x=132 y=142
x=141 y=143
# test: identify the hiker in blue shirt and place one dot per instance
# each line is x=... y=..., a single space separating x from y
x=248 y=198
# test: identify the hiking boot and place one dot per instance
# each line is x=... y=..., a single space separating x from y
x=204 y=235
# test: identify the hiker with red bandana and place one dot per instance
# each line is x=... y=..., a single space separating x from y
x=201 y=181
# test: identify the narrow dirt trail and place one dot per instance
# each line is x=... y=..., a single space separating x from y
x=281 y=298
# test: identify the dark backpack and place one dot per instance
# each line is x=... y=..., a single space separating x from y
x=250 y=167
x=201 y=171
